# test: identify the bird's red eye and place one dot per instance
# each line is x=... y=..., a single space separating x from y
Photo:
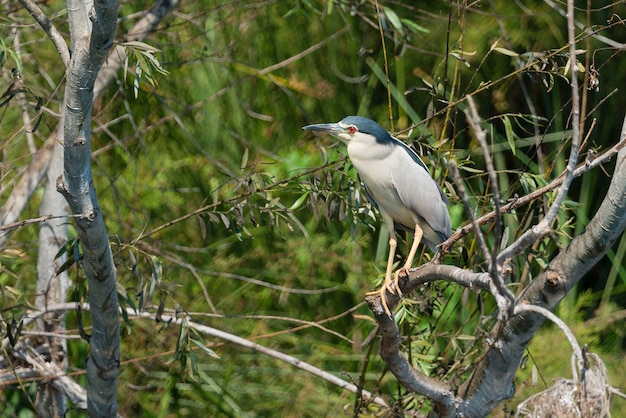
x=352 y=129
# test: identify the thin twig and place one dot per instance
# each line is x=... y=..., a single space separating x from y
x=527 y=307
x=382 y=40
x=474 y=120
x=504 y=298
x=52 y=32
x=608 y=41
x=468 y=210
x=40 y=219
x=209 y=331
x=543 y=227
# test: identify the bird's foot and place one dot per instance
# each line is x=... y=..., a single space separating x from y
x=387 y=286
x=383 y=299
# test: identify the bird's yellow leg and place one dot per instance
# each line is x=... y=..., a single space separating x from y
x=409 y=260
x=393 y=243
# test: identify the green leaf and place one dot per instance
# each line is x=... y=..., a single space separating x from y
x=393 y=19
x=414 y=26
x=503 y=51
x=299 y=201
x=204 y=348
x=510 y=135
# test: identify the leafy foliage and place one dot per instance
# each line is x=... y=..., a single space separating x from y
x=222 y=210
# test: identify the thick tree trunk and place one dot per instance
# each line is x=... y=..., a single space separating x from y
x=91 y=34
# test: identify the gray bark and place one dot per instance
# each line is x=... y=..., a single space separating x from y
x=91 y=34
x=52 y=288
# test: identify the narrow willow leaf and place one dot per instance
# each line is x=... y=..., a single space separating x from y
x=202 y=224
x=299 y=201
x=244 y=160
x=505 y=51
x=225 y=220
x=394 y=19
x=510 y=135
x=204 y=348
x=414 y=26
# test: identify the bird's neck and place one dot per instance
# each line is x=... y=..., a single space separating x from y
x=367 y=150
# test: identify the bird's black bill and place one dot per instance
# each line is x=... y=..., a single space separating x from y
x=332 y=128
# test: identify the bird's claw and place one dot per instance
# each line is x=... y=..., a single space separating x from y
x=393 y=286
x=383 y=300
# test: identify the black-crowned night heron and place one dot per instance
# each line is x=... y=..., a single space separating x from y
x=398 y=183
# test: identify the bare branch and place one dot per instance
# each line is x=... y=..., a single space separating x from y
x=504 y=297
x=426 y=273
x=17 y=375
x=52 y=32
x=491 y=381
x=441 y=394
x=578 y=354
x=76 y=185
x=212 y=332
x=468 y=210
x=38 y=220
x=61 y=381
x=543 y=227
x=78 y=22
x=277 y=355
x=474 y=120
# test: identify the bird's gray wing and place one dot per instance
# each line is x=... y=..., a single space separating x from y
x=416 y=158
x=419 y=192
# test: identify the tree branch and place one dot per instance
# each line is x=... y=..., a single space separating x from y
x=213 y=332
x=52 y=32
x=543 y=227
x=494 y=374
x=578 y=353
x=468 y=210
x=426 y=273
x=441 y=394
x=474 y=120
x=76 y=185
x=504 y=298
x=60 y=380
